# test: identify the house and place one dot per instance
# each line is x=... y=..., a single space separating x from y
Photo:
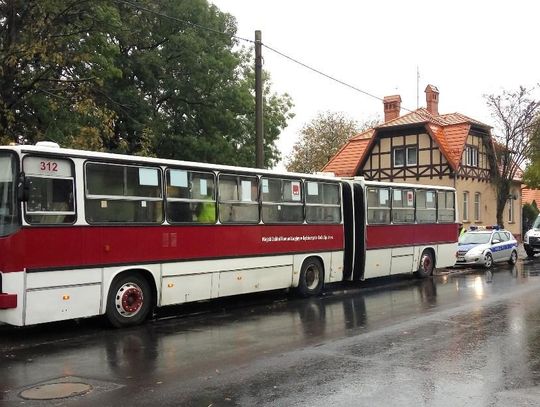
x=530 y=195
x=425 y=147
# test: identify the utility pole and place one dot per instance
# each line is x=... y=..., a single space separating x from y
x=259 y=128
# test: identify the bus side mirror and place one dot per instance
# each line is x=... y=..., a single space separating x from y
x=23 y=187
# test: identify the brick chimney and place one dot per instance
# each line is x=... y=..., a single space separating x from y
x=392 y=106
x=432 y=99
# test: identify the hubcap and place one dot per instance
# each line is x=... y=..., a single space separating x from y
x=488 y=261
x=312 y=277
x=426 y=264
x=129 y=300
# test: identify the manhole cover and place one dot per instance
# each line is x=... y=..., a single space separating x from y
x=55 y=391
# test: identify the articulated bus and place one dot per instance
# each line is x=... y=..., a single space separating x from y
x=85 y=233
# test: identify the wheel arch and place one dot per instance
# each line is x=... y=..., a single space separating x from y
x=148 y=273
x=429 y=249
x=299 y=261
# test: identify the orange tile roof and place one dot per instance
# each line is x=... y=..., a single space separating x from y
x=449 y=131
x=344 y=163
x=528 y=195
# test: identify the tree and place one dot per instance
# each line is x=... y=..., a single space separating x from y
x=514 y=113
x=155 y=78
x=531 y=176
x=53 y=54
x=320 y=140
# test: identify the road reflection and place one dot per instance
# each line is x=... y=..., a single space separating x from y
x=203 y=346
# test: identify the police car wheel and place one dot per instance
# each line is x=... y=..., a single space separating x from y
x=488 y=260
x=513 y=258
x=530 y=253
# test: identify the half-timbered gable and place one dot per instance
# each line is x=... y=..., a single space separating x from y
x=426 y=147
x=477 y=159
x=402 y=157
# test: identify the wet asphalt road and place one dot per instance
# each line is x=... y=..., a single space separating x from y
x=459 y=339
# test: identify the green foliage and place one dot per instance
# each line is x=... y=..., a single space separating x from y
x=321 y=139
x=132 y=77
x=531 y=176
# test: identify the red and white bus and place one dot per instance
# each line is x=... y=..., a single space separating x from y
x=85 y=233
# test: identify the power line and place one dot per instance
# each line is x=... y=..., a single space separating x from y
x=321 y=73
x=296 y=61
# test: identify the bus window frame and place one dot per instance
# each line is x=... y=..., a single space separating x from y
x=168 y=199
x=19 y=215
x=75 y=211
x=339 y=205
x=387 y=209
x=123 y=198
x=257 y=201
x=291 y=203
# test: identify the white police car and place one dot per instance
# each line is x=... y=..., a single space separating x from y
x=531 y=241
x=485 y=247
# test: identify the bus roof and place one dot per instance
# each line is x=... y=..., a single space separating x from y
x=49 y=149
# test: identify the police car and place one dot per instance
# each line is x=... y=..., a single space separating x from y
x=531 y=241
x=485 y=247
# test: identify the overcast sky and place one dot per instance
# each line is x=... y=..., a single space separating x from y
x=465 y=48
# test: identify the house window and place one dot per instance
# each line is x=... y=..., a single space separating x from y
x=465 y=205
x=471 y=156
x=405 y=156
x=510 y=210
x=477 y=206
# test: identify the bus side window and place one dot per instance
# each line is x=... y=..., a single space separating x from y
x=445 y=209
x=323 y=203
x=190 y=196
x=378 y=201
x=123 y=194
x=238 y=199
x=282 y=200
x=402 y=205
x=426 y=206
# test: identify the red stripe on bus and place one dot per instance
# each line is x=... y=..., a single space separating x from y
x=63 y=247
x=385 y=236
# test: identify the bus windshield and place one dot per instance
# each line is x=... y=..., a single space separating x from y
x=8 y=202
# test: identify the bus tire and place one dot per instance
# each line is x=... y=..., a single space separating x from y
x=311 y=278
x=427 y=264
x=129 y=300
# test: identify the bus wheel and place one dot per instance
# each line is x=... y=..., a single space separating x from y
x=129 y=300
x=427 y=264
x=311 y=278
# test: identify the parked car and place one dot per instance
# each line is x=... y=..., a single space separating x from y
x=485 y=247
x=531 y=241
